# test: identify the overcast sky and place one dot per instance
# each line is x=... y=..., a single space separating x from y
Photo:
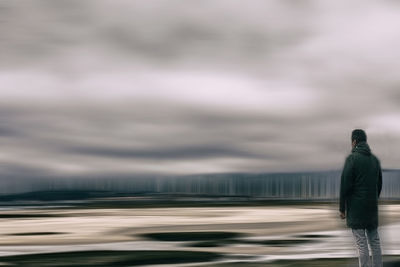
x=181 y=87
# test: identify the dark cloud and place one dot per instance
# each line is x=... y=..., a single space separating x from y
x=69 y=137
x=12 y=169
x=174 y=153
x=8 y=131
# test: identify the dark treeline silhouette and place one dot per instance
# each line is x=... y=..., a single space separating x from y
x=305 y=185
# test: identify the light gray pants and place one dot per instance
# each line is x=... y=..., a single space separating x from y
x=363 y=237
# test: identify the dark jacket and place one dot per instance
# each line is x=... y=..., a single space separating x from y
x=360 y=188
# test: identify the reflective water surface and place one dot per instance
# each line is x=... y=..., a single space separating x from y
x=249 y=234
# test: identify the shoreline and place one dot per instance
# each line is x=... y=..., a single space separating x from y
x=277 y=230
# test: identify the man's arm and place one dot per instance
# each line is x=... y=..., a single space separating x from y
x=346 y=183
x=379 y=179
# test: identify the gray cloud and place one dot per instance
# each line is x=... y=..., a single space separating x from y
x=112 y=86
x=53 y=29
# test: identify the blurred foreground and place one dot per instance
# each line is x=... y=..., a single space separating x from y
x=130 y=232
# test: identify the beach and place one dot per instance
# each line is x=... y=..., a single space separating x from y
x=245 y=235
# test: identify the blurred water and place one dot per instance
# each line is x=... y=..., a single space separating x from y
x=339 y=244
x=80 y=229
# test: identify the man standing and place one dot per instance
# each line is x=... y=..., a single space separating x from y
x=360 y=188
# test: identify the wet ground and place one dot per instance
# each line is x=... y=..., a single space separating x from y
x=274 y=235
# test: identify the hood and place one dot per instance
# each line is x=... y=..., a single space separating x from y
x=362 y=148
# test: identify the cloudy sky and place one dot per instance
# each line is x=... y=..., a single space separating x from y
x=181 y=87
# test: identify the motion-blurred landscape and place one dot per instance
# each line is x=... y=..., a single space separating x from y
x=276 y=219
x=192 y=133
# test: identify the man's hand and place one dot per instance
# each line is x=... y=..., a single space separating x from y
x=342 y=215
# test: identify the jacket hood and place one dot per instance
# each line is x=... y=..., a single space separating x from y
x=362 y=148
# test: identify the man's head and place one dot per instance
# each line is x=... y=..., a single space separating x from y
x=358 y=136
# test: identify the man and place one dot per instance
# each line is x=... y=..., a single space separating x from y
x=360 y=188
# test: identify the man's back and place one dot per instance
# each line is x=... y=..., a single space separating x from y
x=362 y=182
